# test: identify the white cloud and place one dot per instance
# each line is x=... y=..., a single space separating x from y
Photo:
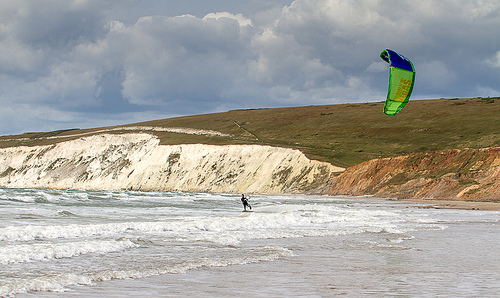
x=495 y=62
x=435 y=75
x=242 y=21
x=377 y=67
x=168 y=60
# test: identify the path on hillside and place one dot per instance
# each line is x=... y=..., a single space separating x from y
x=181 y=130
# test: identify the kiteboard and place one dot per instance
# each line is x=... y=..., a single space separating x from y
x=247 y=211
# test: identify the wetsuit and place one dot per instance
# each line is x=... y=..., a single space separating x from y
x=245 y=202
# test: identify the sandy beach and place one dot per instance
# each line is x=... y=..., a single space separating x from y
x=455 y=204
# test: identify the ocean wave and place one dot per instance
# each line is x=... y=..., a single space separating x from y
x=61 y=282
x=22 y=253
x=270 y=222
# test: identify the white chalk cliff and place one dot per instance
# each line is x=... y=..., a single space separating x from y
x=137 y=161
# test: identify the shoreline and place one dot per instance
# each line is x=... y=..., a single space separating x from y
x=426 y=203
x=438 y=203
x=452 y=204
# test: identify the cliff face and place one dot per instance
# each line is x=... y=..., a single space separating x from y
x=465 y=174
x=137 y=161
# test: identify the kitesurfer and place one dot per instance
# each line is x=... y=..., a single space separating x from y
x=244 y=200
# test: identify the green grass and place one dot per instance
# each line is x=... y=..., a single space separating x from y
x=343 y=135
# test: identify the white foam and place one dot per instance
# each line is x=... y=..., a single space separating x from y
x=36 y=252
x=60 y=283
x=293 y=221
x=72 y=230
x=270 y=222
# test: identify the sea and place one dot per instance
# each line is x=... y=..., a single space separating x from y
x=77 y=243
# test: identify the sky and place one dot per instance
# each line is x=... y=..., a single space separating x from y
x=68 y=64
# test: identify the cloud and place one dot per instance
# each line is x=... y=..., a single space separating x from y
x=495 y=62
x=176 y=61
x=376 y=67
x=85 y=62
x=436 y=75
x=242 y=21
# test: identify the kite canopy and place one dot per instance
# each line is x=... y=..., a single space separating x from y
x=402 y=77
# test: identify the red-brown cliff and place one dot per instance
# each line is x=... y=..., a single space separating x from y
x=464 y=174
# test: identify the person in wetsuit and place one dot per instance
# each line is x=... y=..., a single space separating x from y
x=245 y=203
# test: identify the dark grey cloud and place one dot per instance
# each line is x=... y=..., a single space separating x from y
x=84 y=63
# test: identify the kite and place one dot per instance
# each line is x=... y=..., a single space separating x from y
x=402 y=77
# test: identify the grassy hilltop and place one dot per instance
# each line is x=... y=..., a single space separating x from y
x=343 y=135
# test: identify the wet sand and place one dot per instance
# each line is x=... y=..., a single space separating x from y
x=455 y=204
